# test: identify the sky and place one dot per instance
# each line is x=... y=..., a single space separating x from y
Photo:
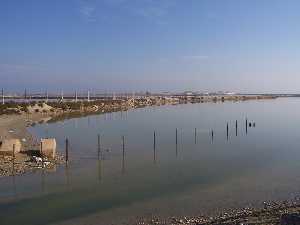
x=150 y=45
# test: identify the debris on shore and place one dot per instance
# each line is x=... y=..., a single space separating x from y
x=25 y=163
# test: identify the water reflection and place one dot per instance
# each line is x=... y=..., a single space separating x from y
x=189 y=180
x=99 y=170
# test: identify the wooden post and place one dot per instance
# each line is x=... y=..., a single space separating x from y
x=154 y=141
x=42 y=155
x=227 y=130
x=212 y=135
x=246 y=126
x=13 y=160
x=123 y=144
x=176 y=138
x=99 y=148
x=67 y=150
x=236 y=128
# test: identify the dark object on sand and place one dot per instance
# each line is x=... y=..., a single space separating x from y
x=290 y=219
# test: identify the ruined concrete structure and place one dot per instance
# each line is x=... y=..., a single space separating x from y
x=48 y=147
x=7 y=146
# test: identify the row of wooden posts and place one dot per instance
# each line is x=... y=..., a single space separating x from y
x=123 y=144
x=154 y=140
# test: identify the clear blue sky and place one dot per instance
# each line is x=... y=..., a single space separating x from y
x=155 y=45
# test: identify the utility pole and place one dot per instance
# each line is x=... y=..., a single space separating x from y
x=76 y=97
x=62 y=95
x=3 y=97
x=25 y=94
x=47 y=96
x=88 y=96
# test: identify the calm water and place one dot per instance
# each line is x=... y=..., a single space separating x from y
x=199 y=176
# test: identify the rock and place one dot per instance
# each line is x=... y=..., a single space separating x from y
x=290 y=219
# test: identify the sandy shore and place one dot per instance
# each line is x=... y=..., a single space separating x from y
x=15 y=126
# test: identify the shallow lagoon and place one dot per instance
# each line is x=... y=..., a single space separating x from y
x=194 y=178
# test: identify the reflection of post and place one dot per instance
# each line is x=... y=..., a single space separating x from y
x=14 y=186
x=246 y=126
x=100 y=170
x=67 y=176
x=236 y=128
x=123 y=158
x=195 y=135
x=43 y=181
x=212 y=135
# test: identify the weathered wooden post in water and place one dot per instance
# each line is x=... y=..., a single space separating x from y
x=176 y=142
x=67 y=150
x=99 y=148
x=176 y=137
x=227 y=130
x=42 y=155
x=212 y=135
x=154 y=148
x=246 y=126
x=13 y=159
x=154 y=140
x=236 y=128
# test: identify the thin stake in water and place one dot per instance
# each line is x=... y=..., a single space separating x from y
x=67 y=150
x=227 y=130
x=176 y=141
x=236 y=128
x=99 y=148
x=13 y=159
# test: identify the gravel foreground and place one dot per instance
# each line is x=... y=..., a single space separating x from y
x=284 y=213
